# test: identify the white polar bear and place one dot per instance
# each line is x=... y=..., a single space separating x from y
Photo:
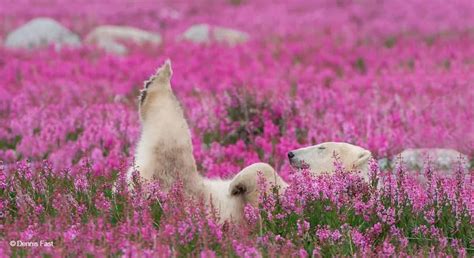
x=319 y=159
x=165 y=153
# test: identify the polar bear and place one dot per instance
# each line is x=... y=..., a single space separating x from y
x=319 y=159
x=165 y=153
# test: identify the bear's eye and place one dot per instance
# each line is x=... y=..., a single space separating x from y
x=321 y=147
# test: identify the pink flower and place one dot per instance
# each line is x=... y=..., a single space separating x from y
x=207 y=254
x=251 y=214
x=28 y=234
x=388 y=248
x=358 y=239
x=71 y=233
x=302 y=227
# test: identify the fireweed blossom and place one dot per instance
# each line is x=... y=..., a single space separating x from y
x=389 y=81
x=319 y=215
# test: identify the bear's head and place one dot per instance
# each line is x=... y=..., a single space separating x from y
x=245 y=184
x=320 y=158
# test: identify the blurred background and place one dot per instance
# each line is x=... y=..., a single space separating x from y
x=351 y=20
x=256 y=78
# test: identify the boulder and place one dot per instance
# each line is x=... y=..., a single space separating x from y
x=205 y=33
x=445 y=160
x=41 y=32
x=112 y=38
x=384 y=163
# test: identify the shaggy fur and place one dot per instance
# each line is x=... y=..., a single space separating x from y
x=164 y=149
x=165 y=153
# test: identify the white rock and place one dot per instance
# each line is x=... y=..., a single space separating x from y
x=197 y=33
x=205 y=33
x=41 y=32
x=383 y=163
x=441 y=159
x=444 y=163
x=111 y=38
x=229 y=36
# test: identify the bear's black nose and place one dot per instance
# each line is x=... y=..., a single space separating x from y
x=290 y=155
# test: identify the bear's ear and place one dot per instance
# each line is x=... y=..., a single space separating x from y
x=238 y=189
x=242 y=184
x=362 y=158
x=245 y=182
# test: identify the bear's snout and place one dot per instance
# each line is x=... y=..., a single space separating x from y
x=290 y=155
x=294 y=161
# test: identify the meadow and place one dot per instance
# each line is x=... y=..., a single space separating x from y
x=383 y=75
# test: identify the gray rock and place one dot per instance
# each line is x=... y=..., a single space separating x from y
x=383 y=163
x=41 y=32
x=198 y=33
x=111 y=38
x=205 y=33
x=444 y=160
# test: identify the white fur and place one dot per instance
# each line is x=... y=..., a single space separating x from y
x=319 y=158
x=216 y=192
x=164 y=152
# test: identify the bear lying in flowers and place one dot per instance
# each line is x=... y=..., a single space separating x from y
x=165 y=153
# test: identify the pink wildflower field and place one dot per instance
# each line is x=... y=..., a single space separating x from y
x=384 y=75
